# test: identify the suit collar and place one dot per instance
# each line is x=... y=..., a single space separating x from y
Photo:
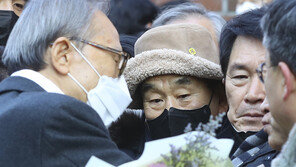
x=39 y=79
x=19 y=84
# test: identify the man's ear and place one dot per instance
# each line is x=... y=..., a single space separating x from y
x=61 y=55
x=223 y=104
x=289 y=80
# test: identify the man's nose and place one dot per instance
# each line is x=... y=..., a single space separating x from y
x=264 y=107
x=171 y=102
x=266 y=118
x=256 y=91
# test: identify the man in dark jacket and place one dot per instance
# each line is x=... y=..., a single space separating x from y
x=68 y=55
x=241 y=51
x=278 y=75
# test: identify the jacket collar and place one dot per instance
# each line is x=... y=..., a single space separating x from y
x=39 y=79
x=19 y=84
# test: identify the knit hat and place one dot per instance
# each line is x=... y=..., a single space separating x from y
x=182 y=49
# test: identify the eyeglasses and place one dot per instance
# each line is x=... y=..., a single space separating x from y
x=123 y=55
x=261 y=72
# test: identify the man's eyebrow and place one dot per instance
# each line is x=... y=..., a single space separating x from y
x=237 y=66
x=146 y=87
x=183 y=81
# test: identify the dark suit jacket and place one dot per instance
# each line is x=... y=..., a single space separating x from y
x=263 y=157
x=38 y=128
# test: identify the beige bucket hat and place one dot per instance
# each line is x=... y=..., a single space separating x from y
x=182 y=49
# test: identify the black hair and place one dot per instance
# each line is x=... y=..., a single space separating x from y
x=247 y=24
x=279 y=27
x=131 y=16
x=128 y=43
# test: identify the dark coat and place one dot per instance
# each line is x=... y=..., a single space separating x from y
x=38 y=128
x=264 y=156
x=254 y=151
x=130 y=133
x=227 y=131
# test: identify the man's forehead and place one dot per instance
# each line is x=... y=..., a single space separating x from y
x=158 y=81
x=104 y=31
x=246 y=53
x=176 y=79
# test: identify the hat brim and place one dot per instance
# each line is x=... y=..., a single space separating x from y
x=167 y=61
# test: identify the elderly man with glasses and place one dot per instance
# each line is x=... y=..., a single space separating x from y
x=278 y=75
x=66 y=86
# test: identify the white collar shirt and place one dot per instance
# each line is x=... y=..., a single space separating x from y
x=39 y=79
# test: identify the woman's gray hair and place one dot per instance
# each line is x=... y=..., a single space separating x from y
x=187 y=9
x=41 y=23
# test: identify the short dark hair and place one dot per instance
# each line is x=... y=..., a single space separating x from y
x=247 y=24
x=131 y=16
x=279 y=27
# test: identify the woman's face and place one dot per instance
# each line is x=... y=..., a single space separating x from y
x=13 y=5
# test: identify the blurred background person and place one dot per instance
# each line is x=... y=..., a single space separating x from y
x=132 y=17
x=192 y=13
x=171 y=4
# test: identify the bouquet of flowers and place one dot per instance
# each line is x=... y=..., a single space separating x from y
x=198 y=148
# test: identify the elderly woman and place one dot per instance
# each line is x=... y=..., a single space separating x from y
x=175 y=79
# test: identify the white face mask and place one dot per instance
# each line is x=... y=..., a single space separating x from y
x=109 y=98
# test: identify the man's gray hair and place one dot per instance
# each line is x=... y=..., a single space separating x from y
x=41 y=23
x=187 y=9
x=279 y=27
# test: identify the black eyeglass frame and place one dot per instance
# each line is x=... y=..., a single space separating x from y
x=260 y=71
x=124 y=56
